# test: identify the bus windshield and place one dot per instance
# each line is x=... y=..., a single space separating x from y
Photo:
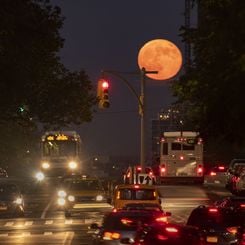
x=59 y=148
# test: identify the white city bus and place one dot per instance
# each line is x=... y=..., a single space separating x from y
x=60 y=152
x=181 y=157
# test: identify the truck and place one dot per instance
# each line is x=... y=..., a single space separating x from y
x=181 y=157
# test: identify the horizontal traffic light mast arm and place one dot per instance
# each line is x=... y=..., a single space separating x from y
x=117 y=74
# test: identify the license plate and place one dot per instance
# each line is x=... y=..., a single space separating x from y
x=3 y=207
x=213 y=239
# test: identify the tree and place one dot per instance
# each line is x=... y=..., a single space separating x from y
x=34 y=85
x=214 y=85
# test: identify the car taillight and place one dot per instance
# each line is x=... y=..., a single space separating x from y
x=181 y=157
x=212 y=210
x=221 y=168
x=111 y=235
x=163 y=169
x=162 y=219
x=199 y=169
x=136 y=186
x=242 y=205
x=212 y=173
x=162 y=237
x=150 y=173
x=126 y=221
x=232 y=230
x=171 y=229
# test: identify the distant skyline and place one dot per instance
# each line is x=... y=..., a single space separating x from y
x=108 y=35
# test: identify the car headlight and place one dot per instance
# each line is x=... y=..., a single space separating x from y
x=72 y=165
x=71 y=198
x=62 y=193
x=61 y=201
x=45 y=165
x=39 y=176
x=99 y=198
x=18 y=201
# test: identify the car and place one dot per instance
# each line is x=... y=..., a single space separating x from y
x=82 y=193
x=217 y=175
x=3 y=173
x=11 y=200
x=165 y=234
x=232 y=202
x=135 y=194
x=235 y=181
x=217 y=225
x=122 y=224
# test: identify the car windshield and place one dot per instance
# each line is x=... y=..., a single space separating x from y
x=127 y=221
x=85 y=185
x=137 y=194
x=8 y=189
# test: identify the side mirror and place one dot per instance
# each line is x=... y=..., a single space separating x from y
x=94 y=226
x=126 y=241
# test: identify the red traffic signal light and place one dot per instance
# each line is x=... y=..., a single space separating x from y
x=102 y=93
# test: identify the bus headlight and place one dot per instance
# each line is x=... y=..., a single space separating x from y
x=39 y=176
x=61 y=193
x=45 y=165
x=99 y=198
x=72 y=165
x=18 y=201
x=61 y=201
x=71 y=198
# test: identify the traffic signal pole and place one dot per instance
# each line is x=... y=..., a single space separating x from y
x=142 y=106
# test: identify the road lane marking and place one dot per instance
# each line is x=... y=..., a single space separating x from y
x=46 y=209
x=28 y=223
x=47 y=233
x=9 y=224
x=68 y=221
x=49 y=222
x=68 y=238
x=26 y=234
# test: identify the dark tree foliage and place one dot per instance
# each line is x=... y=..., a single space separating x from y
x=214 y=86
x=34 y=85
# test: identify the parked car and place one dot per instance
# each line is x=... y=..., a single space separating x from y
x=216 y=175
x=11 y=200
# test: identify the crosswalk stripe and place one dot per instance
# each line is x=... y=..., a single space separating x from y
x=49 y=222
x=9 y=224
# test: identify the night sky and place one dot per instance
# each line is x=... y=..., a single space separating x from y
x=108 y=35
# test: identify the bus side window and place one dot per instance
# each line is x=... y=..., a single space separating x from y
x=165 y=149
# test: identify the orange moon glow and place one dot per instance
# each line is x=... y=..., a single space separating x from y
x=162 y=56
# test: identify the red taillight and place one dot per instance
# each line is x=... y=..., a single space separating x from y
x=150 y=173
x=163 y=169
x=232 y=230
x=128 y=175
x=212 y=210
x=171 y=229
x=111 y=235
x=181 y=157
x=212 y=173
x=126 y=221
x=162 y=219
x=242 y=205
x=221 y=168
x=139 y=169
x=199 y=169
x=136 y=186
x=162 y=237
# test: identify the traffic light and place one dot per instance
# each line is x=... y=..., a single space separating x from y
x=102 y=93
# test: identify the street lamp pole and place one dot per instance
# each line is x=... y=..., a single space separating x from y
x=142 y=106
x=142 y=112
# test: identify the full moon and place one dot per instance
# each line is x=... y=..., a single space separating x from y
x=162 y=56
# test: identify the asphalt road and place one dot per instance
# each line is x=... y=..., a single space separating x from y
x=44 y=223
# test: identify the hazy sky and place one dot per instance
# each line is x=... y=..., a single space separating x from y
x=108 y=35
